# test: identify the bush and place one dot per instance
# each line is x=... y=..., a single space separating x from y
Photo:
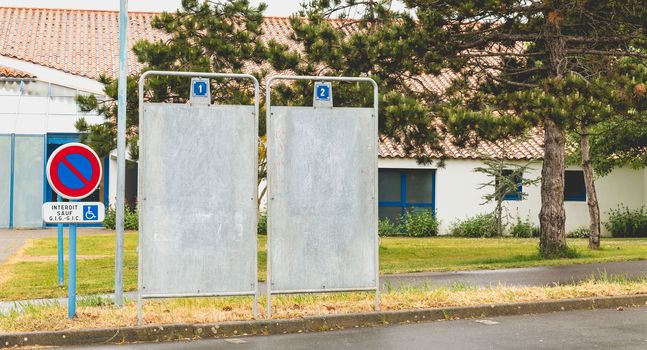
x=625 y=222
x=131 y=219
x=582 y=232
x=421 y=223
x=262 y=224
x=524 y=229
x=482 y=225
x=387 y=228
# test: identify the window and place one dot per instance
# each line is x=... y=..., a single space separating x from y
x=574 y=188
x=513 y=195
x=404 y=189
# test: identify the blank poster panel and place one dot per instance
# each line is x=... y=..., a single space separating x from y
x=323 y=198
x=197 y=201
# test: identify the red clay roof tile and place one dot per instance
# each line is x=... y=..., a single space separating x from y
x=85 y=43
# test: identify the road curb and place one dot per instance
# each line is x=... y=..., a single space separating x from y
x=174 y=332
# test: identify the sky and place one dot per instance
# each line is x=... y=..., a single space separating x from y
x=275 y=7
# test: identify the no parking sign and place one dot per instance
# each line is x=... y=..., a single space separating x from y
x=74 y=171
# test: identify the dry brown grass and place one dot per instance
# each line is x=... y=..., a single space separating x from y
x=7 y=268
x=210 y=310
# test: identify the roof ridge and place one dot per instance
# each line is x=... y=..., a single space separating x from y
x=103 y=11
x=73 y=10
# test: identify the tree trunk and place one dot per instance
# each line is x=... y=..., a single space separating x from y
x=499 y=219
x=591 y=194
x=552 y=217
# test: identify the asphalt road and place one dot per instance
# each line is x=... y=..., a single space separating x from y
x=599 y=329
x=531 y=276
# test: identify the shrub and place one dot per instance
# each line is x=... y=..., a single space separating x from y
x=387 y=228
x=110 y=220
x=421 y=223
x=262 y=223
x=524 y=229
x=582 y=232
x=482 y=225
x=131 y=218
x=418 y=223
x=625 y=222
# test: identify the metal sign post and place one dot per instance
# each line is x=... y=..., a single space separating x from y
x=198 y=169
x=71 y=288
x=121 y=152
x=74 y=172
x=61 y=268
x=322 y=207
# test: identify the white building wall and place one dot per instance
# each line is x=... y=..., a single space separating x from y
x=31 y=109
x=458 y=196
x=623 y=186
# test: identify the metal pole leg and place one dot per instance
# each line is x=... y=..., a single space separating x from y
x=71 y=306
x=61 y=263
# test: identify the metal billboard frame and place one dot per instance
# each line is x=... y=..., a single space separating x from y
x=268 y=123
x=140 y=181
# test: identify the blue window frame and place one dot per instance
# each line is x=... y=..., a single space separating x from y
x=574 y=187
x=406 y=189
x=518 y=194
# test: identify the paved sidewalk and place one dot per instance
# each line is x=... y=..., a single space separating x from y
x=533 y=276
x=12 y=240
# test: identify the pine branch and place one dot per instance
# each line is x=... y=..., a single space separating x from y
x=611 y=53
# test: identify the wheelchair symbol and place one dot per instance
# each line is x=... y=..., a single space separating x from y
x=91 y=212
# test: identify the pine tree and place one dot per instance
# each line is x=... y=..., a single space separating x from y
x=612 y=95
x=511 y=60
x=202 y=36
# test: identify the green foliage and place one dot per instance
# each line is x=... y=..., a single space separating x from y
x=518 y=65
x=262 y=224
x=524 y=229
x=581 y=232
x=204 y=36
x=482 y=225
x=421 y=223
x=131 y=219
x=417 y=223
x=385 y=228
x=503 y=178
x=613 y=104
x=625 y=222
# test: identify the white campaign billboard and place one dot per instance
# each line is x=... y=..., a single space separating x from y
x=323 y=205
x=198 y=200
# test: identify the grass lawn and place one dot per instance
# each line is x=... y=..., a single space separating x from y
x=32 y=272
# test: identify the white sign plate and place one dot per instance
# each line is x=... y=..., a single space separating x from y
x=73 y=212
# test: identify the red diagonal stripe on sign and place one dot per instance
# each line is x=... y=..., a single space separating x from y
x=75 y=171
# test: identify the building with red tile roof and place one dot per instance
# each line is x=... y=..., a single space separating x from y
x=48 y=56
